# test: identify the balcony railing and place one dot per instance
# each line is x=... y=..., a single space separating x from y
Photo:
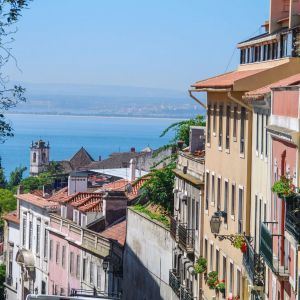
x=186 y=238
x=292 y=216
x=271 y=249
x=254 y=265
x=9 y=280
x=174 y=281
x=185 y=294
x=173 y=229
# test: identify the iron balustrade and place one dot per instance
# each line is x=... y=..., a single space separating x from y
x=94 y=293
x=254 y=264
x=292 y=215
x=271 y=254
x=186 y=238
x=185 y=294
x=173 y=229
x=174 y=281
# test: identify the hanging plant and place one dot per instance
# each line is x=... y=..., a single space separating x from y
x=238 y=241
x=212 y=279
x=220 y=286
x=284 y=187
x=200 y=265
x=244 y=248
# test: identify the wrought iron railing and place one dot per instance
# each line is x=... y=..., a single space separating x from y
x=186 y=238
x=173 y=229
x=292 y=215
x=271 y=249
x=95 y=293
x=174 y=281
x=185 y=294
x=254 y=265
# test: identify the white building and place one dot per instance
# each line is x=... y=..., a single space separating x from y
x=39 y=157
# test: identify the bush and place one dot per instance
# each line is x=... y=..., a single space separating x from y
x=283 y=187
x=200 y=265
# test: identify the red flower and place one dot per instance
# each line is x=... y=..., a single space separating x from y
x=244 y=248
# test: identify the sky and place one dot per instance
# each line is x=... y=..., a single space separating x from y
x=159 y=43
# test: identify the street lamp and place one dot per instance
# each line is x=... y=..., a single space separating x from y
x=215 y=223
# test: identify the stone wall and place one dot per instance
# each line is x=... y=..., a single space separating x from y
x=147 y=259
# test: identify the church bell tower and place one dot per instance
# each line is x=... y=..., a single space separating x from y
x=39 y=157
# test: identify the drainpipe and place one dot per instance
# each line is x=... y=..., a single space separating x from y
x=196 y=99
x=238 y=101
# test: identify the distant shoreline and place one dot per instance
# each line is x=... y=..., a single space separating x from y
x=99 y=116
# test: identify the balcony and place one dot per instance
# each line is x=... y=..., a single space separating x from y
x=186 y=238
x=9 y=280
x=271 y=249
x=292 y=216
x=254 y=265
x=174 y=281
x=185 y=294
x=173 y=229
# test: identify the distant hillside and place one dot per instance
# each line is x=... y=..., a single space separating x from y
x=107 y=101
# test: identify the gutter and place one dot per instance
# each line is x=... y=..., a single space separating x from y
x=196 y=99
x=239 y=101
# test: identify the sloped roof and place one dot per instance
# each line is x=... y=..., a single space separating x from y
x=116 y=232
x=226 y=80
x=12 y=217
x=259 y=93
x=37 y=201
x=115 y=160
x=133 y=193
x=81 y=158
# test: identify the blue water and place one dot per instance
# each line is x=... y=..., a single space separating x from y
x=67 y=134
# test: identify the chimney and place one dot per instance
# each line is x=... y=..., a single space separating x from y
x=132 y=167
x=132 y=149
x=77 y=184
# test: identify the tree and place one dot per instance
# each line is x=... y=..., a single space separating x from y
x=16 y=177
x=8 y=202
x=10 y=96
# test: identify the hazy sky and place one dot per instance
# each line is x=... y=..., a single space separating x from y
x=157 y=43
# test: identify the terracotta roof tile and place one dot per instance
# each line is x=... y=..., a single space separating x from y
x=136 y=186
x=12 y=217
x=116 y=185
x=38 y=201
x=259 y=93
x=116 y=232
x=61 y=195
x=226 y=80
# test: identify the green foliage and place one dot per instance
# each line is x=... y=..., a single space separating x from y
x=8 y=202
x=212 y=279
x=182 y=129
x=283 y=187
x=200 y=265
x=2 y=280
x=159 y=188
x=54 y=168
x=238 y=241
x=3 y=181
x=220 y=285
x=153 y=215
x=31 y=183
x=15 y=177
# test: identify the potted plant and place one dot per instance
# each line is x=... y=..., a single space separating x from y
x=200 y=265
x=283 y=187
x=212 y=278
x=240 y=243
x=220 y=286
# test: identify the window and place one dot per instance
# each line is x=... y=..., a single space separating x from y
x=207 y=191
x=211 y=257
x=78 y=266
x=208 y=123
x=34 y=157
x=205 y=248
x=51 y=250
x=266 y=133
x=91 y=272
x=71 y=270
x=226 y=192
x=30 y=235
x=262 y=135
x=242 y=137
x=99 y=277
x=238 y=283
x=63 y=211
x=43 y=288
x=275 y=51
x=215 y=119
x=286 y=254
x=46 y=238
x=217 y=260
x=240 y=214
x=38 y=238
x=255 y=218
x=83 y=220
x=233 y=199
x=76 y=216
x=219 y=194
x=224 y=270
x=234 y=121
x=57 y=253
x=63 y=256
x=257 y=132
x=84 y=266
x=213 y=188
x=220 y=125
x=197 y=215
x=24 y=229
x=231 y=274
x=227 y=126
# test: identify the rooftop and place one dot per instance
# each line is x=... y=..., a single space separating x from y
x=120 y=172
x=38 y=201
x=12 y=217
x=116 y=232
